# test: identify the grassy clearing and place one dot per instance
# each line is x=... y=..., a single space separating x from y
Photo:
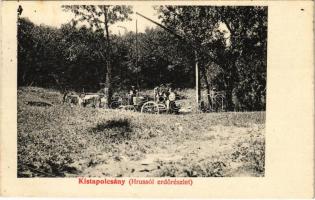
x=64 y=141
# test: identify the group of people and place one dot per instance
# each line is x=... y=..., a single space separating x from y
x=162 y=94
x=165 y=94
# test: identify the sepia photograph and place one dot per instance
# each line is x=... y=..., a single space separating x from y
x=157 y=99
x=141 y=91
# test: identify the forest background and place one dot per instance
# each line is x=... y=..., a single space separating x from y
x=82 y=54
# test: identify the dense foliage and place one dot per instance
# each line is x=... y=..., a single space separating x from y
x=229 y=42
x=231 y=46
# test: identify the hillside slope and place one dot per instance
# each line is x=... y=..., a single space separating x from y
x=58 y=141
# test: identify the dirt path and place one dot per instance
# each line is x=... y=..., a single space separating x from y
x=207 y=146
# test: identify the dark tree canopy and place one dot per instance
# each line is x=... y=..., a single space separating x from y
x=235 y=64
x=231 y=43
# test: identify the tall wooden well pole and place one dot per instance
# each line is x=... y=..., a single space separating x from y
x=137 y=57
x=196 y=57
x=197 y=76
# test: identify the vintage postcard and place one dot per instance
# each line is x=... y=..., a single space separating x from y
x=186 y=99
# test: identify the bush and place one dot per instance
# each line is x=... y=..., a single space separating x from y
x=252 y=153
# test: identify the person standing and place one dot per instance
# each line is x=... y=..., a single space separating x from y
x=170 y=102
x=132 y=94
x=156 y=92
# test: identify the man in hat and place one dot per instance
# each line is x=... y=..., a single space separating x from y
x=132 y=94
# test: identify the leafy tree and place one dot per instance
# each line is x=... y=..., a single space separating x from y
x=100 y=17
x=38 y=55
x=199 y=26
x=84 y=59
x=247 y=53
x=61 y=58
x=236 y=64
x=162 y=59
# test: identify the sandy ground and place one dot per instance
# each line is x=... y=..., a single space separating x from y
x=206 y=145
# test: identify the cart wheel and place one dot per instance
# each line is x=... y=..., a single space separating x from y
x=150 y=107
x=115 y=105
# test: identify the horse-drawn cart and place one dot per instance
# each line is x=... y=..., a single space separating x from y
x=145 y=104
x=154 y=107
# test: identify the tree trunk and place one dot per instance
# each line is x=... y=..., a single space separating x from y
x=204 y=75
x=108 y=78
